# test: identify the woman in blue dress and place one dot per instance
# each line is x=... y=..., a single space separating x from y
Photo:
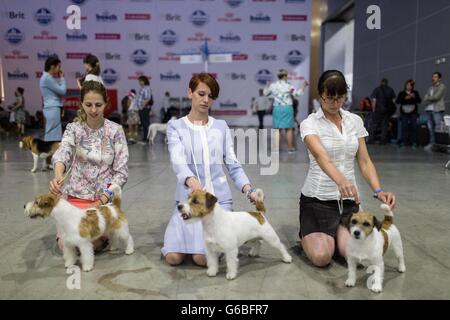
x=199 y=145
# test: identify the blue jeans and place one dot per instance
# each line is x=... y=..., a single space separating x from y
x=409 y=128
x=434 y=118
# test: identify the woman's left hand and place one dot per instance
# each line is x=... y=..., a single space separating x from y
x=388 y=198
x=253 y=197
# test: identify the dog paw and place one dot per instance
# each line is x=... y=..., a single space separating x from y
x=33 y=170
x=401 y=268
x=287 y=259
x=253 y=252
x=376 y=287
x=129 y=251
x=87 y=268
x=211 y=272
x=350 y=282
x=69 y=264
x=231 y=275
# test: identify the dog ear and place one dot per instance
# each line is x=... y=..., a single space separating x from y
x=210 y=200
x=376 y=223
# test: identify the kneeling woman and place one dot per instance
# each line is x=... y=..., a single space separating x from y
x=334 y=138
x=198 y=146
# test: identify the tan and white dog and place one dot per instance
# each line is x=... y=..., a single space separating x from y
x=225 y=231
x=79 y=228
x=370 y=239
x=40 y=150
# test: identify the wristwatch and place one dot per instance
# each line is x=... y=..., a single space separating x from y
x=376 y=192
x=249 y=192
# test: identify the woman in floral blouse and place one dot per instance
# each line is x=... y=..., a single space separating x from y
x=95 y=151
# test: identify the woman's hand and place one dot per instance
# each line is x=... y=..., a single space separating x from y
x=55 y=185
x=348 y=190
x=193 y=184
x=253 y=197
x=388 y=198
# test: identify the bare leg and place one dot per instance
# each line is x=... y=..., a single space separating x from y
x=319 y=248
x=174 y=258
x=199 y=260
x=342 y=239
x=290 y=138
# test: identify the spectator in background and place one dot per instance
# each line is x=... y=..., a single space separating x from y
x=165 y=106
x=18 y=111
x=53 y=87
x=133 y=117
x=143 y=103
x=92 y=68
x=434 y=100
x=260 y=106
x=380 y=116
x=408 y=99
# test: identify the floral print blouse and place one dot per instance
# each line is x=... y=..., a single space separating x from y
x=99 y=157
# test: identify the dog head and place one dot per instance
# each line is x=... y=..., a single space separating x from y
x=42 y=206
x=26 y=142
x=199 y=204
x=361 y=225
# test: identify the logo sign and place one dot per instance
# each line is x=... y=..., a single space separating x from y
x=105 y=16
x=228 y=104
x=15 y=15
x=199 y=36
x=168 y=37
x=76 y=36
x=137 y=75
x=140 y=36
x=137 y=16
x=17 y=75
x=234 y=3
x=45 y=35
x=236 y=76
x=230 y=38
x=260 y=18
x=264 y=37
x=110 y=76
x=229 y=17
x=294 y=1
x=76 y=55
x=107 y=36
x=240 y=57
x=263 y=76
x=43 y=16
x=294 y=57
x=44 y=55
x=294 y=17
x=111 y=56
x=140 y=57
x=296 y=37
x=199 y=18
x=79 y=2
x=14 y=36
x=267 y=57
x=171 y=17
x=169 y=56
x=15 y=55
x=169 y=76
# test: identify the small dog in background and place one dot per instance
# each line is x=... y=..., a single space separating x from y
x=225 y=231
x=156 y=127
x=40 y=150
x=370 y=239
x=80 y=228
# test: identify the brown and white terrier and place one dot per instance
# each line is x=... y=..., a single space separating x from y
x=225 y=231
x=80 y=228
x=40 y=150
x=370 y=239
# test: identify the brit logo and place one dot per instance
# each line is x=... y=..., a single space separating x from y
x=171 y=17
x=137 y=16
x=234 y=3
x=236 y=76
x=45 y=35
x=263 y=76
x=229 y=17
x=44 y=55
x=168 y=37
x=294 y=17
x=260 y=18
x=16 y=15
x=296 y=37
x=199 y=18
x=264 y=37
x=169 y=76
x=110 y=76
x=16 y=55
x=111 y=56
x=17 y=75
x=105 y=16
x=14 y=36
x=140 y=36
x=107 y=36
x=266 y=57
x=294 y=57
x=230 y=38
x=76 y=36
x=140 y=57
x=43 y=16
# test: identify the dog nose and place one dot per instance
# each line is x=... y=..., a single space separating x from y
x=357 y=233
x=24 y=206
x=179 y=207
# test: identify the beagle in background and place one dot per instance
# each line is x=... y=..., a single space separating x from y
x=40 y=150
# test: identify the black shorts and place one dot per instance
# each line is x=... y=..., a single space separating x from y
x=323 y=215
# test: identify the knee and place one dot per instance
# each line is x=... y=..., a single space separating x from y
x=174 y=259
x=321 y=259
x=199 y=260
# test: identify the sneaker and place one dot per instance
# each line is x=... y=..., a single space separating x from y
x=428 y=147
x=291 y=151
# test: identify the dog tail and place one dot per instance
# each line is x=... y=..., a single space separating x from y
x=388 y=216
x=117 y=197
x=260 y=200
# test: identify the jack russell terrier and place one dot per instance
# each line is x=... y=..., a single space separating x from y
x=225 y=231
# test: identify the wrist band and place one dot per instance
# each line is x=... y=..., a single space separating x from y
x=109 y=194
x=249 y=191
x=376 y=192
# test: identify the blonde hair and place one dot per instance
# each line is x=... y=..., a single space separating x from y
x=90 y=86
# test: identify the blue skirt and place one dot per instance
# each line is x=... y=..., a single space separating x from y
x=53 y=130
x=283 y=117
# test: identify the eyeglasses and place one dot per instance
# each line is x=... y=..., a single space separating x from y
x=330 y=100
